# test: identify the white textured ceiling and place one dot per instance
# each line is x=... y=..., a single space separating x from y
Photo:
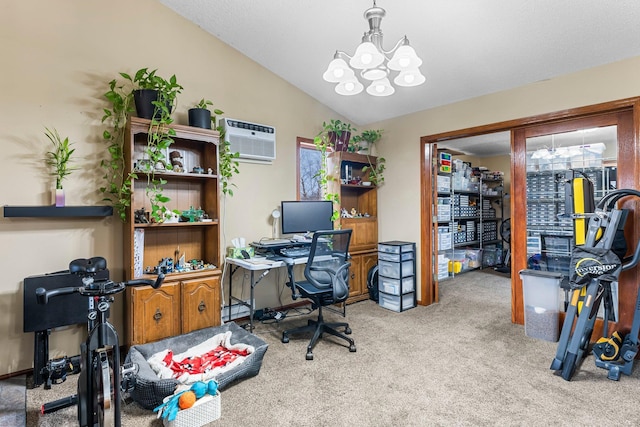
x=469 y=47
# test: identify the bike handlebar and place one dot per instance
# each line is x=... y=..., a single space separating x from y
x=43 y=295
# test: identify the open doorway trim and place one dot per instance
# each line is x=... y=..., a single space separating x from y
x=429 y=292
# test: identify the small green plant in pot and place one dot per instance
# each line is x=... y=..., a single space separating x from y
x=362 y=143
x=59 y=160
x=153 y=94
x=337 y=133
x=201 y=116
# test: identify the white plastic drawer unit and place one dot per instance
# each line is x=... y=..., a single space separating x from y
x=393 y=270
x=394 y=249
x=397 y=257
x=392 y=286
x=392 y=302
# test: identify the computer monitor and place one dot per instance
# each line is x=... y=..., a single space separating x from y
x=306 y=216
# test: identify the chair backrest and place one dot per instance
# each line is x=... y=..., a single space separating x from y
x=328 y=264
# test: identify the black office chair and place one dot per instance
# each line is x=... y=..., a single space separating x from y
x=327 y=282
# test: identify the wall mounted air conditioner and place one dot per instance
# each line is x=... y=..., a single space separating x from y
x=254 y=142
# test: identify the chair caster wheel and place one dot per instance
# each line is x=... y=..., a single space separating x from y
x=347 y=330
x=309 y=356
x=352 y=348
x=285 y=339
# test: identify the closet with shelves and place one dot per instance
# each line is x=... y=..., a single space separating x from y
x=468 y=214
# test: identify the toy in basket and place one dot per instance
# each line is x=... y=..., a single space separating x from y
x=197 y=406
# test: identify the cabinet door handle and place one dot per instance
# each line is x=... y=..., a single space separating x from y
x=202 y=306
x=353 y=275
x=158 y=315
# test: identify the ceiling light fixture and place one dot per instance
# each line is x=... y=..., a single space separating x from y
x=374 y=63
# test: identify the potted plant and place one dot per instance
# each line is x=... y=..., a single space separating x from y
x=59 y=159
x=362 y=143
x=159 y=137
x=338 y=133
x=228 y=164
x=152 y=94
x=200 y=115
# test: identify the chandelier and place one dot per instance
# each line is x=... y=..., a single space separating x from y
x=374 y=63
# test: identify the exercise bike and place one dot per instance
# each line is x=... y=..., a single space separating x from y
x=99 y=382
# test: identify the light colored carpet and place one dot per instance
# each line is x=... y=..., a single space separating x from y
x=460 y=362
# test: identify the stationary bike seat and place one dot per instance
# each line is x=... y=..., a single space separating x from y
x=88 y=265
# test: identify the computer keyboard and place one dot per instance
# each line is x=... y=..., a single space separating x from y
x=295 y=252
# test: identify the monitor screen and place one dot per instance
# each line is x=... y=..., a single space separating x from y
x=306 y=216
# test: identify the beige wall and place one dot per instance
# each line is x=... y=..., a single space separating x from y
x=57 y=58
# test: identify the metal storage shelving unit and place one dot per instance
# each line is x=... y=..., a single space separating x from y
x=550 y=233
x=466 y=223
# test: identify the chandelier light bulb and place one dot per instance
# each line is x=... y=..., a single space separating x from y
x=381 y=87
x=404 y=58
x=349 y=87
x=374 y=62
x=409 y=78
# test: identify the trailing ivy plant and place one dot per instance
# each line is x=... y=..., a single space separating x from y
x=228 y=164
x=321 y=142
x=118 y=181
x=376 y=173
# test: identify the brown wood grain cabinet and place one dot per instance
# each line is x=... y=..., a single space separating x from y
x=187 y=300
x=346 y=171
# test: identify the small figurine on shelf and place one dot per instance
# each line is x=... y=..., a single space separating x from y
x=354 y=213
x=140 y=216
x=197 y=169
x=176 y=161
x=345 y=214
x=171 y=217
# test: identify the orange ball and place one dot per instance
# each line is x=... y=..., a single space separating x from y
x=187 y=399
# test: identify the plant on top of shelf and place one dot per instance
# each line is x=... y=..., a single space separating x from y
x=364 y=141
x=59 y=157
x=123 y=97
x=201 y=116
x=337 y=133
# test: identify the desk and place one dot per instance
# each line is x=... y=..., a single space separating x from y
x=253 y=265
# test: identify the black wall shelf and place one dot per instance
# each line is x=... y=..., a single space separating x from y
x=55 y=212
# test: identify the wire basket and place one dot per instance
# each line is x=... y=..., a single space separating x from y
x=205 y=410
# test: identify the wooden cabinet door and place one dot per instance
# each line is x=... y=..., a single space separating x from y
x=200 y=303
x=364 y=235
x=368 y=261
x=355 y=276
x=154 y=313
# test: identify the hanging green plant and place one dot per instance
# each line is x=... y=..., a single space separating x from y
x=117 y=189
x=321 y=142
x=228 y=162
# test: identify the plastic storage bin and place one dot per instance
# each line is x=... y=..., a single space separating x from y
x=541 y=291
x=392 y=302
x=392 y=286
x=392 y=269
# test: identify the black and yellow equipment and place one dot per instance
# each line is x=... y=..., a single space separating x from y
x=596 y=262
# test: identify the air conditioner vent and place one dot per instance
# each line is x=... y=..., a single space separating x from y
x=252 y=140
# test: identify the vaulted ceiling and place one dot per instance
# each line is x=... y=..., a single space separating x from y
x=468 y=47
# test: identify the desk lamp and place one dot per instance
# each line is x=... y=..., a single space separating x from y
x=274 y=215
